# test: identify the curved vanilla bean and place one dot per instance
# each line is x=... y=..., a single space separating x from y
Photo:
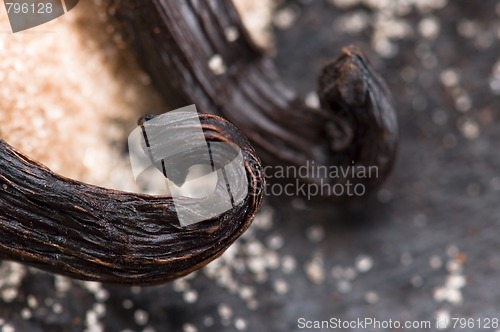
x=87 y=232
x=190 y=51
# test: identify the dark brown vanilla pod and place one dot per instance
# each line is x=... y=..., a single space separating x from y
x=87 y=232
x=199 y=52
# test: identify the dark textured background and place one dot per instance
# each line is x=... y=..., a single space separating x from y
x=440 y=204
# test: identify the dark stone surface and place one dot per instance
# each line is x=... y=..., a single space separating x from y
x=442 y=201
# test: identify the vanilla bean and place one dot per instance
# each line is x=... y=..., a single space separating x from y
x=92 y=233
x=87 y=232
x=183 y=45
